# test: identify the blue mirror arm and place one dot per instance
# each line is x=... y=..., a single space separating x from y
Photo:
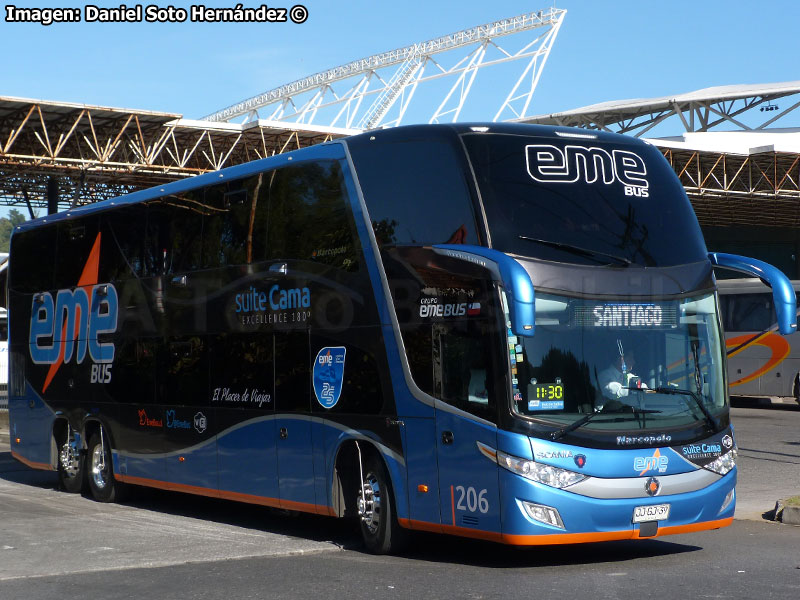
x=782 y=290
x=513 y=277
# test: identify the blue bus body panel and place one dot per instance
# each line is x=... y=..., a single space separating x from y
x=30 y=421
x=247 y=459
x=419 y=442
x=468 y=490
x=295 y=460
x=197 y=469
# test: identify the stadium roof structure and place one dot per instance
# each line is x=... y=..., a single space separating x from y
x=78 y=153
x=748 y=174
x=701 y=110
x=376 y=91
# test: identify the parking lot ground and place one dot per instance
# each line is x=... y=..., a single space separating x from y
x=44 y=531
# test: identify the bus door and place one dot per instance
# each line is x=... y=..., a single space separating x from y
x=464 y=382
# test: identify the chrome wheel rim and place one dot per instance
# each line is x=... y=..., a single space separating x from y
x=69 y=458
x=99 y=472
x=369 y=504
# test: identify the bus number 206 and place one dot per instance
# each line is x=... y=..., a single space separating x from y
x=475 y=501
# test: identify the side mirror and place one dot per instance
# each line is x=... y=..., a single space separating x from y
x=782 y=290
x=509 y=273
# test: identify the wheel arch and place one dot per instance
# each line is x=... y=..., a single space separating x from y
x=344 y=475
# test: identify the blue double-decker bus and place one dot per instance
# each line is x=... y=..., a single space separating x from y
x=505 y=332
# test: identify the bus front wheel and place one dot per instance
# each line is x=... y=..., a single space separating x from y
x=380 y=530
x=100 y=471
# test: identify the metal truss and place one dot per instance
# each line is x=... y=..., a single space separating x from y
x=377 y=91
x=713 y=108
x=760 y=189
x=77 y=154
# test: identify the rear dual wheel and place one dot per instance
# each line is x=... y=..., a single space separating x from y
x=71 y=463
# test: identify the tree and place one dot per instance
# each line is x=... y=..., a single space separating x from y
x=7 y=225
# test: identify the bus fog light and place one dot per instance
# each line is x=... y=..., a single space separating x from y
x=728 y=499
x=543 y=514
x=724 y=464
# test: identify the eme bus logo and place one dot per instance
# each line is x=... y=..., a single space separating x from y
x=656 y=462
x=550 y=164
x=69 y=325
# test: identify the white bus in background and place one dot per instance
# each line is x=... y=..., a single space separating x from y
x=761 y=362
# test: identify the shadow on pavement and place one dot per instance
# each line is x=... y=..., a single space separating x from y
x=446 y=549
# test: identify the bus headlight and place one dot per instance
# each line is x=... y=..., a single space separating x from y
x=724 y=464
x=546 y=474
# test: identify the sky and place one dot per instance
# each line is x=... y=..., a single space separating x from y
x=606 y=50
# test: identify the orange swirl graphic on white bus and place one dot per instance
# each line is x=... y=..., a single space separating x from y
x=777 y=344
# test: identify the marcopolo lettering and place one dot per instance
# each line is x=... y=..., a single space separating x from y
x=70 y=325
x=626 y=440
x=550 y=164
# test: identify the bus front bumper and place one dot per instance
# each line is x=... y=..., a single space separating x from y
x=536 y=514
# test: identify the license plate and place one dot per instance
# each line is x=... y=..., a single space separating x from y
x=653 y=512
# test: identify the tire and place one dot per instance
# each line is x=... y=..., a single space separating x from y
x=71 y=468
x=100 y=472
x=380 y=530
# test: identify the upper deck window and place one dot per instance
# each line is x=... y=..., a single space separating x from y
x=416 y=192
x=583 y=201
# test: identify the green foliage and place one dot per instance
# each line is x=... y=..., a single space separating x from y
x=7 y=226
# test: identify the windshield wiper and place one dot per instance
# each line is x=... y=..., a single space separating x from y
x=712 y=422
x=610 y=407
x=578 y=250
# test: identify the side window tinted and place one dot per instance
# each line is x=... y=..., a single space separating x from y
x=122 y=233
x=157 y=254
x=292 y=372
x=183 y=374
x=416 y=193
x=242 y=372
x=186 y=231
x=234 y=231
x=33 y=260
x=462 y=367
x=447 y=311
x=309 y=217
x=75 y=242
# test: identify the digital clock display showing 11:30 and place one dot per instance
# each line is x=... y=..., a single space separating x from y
x=546 y=391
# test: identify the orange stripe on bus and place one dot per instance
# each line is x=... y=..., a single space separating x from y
x=777 y=344
x=32 y=464
x=561 y=538
x=226 y=495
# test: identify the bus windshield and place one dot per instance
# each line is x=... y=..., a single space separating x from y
x=641 y=365
x=583 y=201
